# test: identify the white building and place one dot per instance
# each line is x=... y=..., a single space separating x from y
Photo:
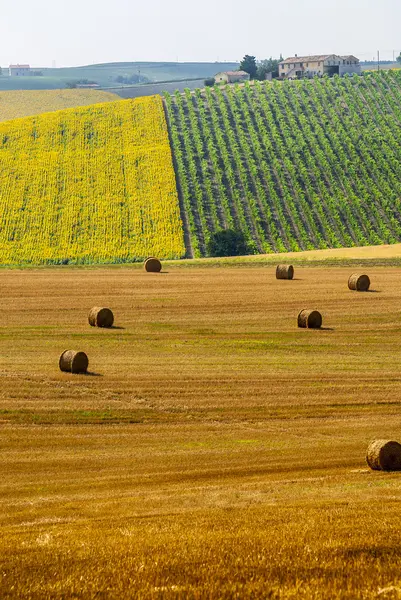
x=19 y=70
x=297 y=67
x=231 y=77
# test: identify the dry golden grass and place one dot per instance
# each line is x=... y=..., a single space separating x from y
x=24 y=103
x=361 y=254
x=215 y=451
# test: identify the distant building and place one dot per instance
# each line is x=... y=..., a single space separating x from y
x=231 y=77
x=19 y=70
x=298 y=67
x=350 y=65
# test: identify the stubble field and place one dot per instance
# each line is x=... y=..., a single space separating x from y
x=214 y=450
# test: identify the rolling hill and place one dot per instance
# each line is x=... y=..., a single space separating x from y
x=106 y=74
x=24 y=103
x=294 y=165
x=89 y=185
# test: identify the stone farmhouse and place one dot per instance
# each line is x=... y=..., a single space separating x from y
x=19 y=70
x=231 y=77
x=298 y=67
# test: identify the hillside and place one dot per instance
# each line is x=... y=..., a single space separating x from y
x=92 y=184
x=106 y=74
x=24 y=103
x=294 y=165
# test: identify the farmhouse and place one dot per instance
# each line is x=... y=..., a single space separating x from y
x=298 y=67
x=19 y=70
x=231 y=76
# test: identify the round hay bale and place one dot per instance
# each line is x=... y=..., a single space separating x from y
x=152 y=265
x=73 y=362
x=311 y=319
x=100 y=317
x=384 y=455
x=360 y=283
x=284 y=272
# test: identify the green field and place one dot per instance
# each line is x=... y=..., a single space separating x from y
x=293 y=165
x=105 y=74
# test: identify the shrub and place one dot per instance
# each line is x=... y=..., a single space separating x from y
x=209 y=82
x=227 y=242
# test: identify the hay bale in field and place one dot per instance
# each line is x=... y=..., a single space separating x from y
x=73 y=362
x=284 y=272
x=384 y=455
x=152 y=265
x=100 y=317
x=360 y=283
x=311 y=319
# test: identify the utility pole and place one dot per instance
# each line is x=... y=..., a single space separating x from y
x=378 y=60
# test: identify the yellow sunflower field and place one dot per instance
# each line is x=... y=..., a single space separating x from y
x=89 y=185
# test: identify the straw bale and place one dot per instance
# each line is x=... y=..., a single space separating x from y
x=73 y=362
x=284 y=272
x=152 y=265
x=358 y=282
x=100 y=317
x=311 y=319
x=384 y=455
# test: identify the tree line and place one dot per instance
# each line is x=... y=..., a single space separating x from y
x=259 y=69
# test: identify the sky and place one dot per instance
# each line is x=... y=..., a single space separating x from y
x=64 y=33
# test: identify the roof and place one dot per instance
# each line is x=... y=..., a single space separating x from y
x=350 y=57
x=313 y=58
x=19 y=67
x=236 y=73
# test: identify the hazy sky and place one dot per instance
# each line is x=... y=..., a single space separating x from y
x=77 y=32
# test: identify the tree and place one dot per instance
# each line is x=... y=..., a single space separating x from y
x=269 y=65
x=209 y=82
x=399 y=58
x=76 y=82
x=131 y=79
x=227 y=242
x=248 y=64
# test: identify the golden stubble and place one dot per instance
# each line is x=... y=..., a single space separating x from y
x=214 y=450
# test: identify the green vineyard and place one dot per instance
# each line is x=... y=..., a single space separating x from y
x=293 y=165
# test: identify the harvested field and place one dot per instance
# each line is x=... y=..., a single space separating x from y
x=214 y=450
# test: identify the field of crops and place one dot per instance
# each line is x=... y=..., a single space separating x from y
x=24 y=103
x=294 y=165
x=92 y=184
x=214 y=451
